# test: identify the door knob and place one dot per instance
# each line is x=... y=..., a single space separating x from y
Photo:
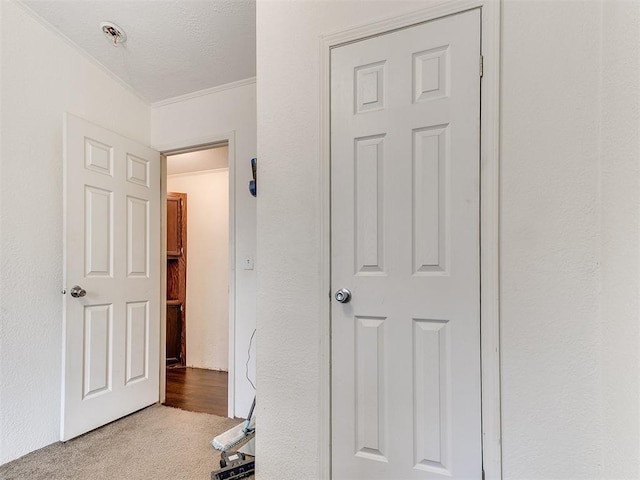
x=343 y=295
x=77 y=291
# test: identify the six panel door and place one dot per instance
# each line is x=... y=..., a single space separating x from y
x=112 y=251
x=405 y=112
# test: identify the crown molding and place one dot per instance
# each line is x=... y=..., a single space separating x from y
x=206 y=91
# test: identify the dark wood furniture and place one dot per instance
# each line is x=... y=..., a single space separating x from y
x=176 y=278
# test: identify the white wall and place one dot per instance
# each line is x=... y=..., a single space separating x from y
x=199 y=160
x=41 y=78
x=551 y=324
x=185 y=122
x=207 y=265
x=569 y=234
x=620 y=224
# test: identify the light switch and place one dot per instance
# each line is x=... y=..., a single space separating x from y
x=248 y=262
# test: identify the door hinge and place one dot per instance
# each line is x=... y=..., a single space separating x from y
x=181 y=308
x=481 y=66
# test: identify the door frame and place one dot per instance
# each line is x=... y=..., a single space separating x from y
x=489 y=216
x=202 y=143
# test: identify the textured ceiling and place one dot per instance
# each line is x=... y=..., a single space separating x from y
x=173 y=47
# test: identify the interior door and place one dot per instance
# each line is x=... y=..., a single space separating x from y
x=111 y=276
x=405 y=112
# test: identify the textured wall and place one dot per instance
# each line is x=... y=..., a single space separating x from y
x=207 y=266
x=550 y=321
x=569 y=234
x=620 y=240
x=41 y=78
x=189 y=120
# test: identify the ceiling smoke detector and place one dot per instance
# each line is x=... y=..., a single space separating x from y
x=113 y=33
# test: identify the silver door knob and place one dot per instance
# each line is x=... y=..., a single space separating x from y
x=343 y=295
x=77 y=291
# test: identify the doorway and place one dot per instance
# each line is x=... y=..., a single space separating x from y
x=197 y=279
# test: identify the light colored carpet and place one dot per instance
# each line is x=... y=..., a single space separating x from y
x=156 y=443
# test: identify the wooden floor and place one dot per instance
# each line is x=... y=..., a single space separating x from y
x=197 y=390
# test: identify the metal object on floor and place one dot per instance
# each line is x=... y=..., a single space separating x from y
x=234 y=465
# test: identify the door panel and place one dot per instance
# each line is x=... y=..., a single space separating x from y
x=98 y=232
x=137 y=237
x=97 y=349
x=137 y=341
x=112 y=250
x=405 y=110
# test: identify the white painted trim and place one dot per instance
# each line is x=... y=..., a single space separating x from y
x=489 y=218
x=163 y=277
x=65 y=210
x=194 y=144
x=206 y=91
x=195 y=173
x=231 y=158
x=82 y=52
x=324 y=410
x=490 y=242
x=202 y=143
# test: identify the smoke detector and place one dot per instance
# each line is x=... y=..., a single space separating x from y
x=113 y=33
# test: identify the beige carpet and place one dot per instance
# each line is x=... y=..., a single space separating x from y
x=156 y=443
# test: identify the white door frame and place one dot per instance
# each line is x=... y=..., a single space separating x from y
x=489 y=217
x=190 y=146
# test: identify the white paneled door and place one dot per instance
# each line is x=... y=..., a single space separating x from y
x=111 y=276
x=405 y=133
